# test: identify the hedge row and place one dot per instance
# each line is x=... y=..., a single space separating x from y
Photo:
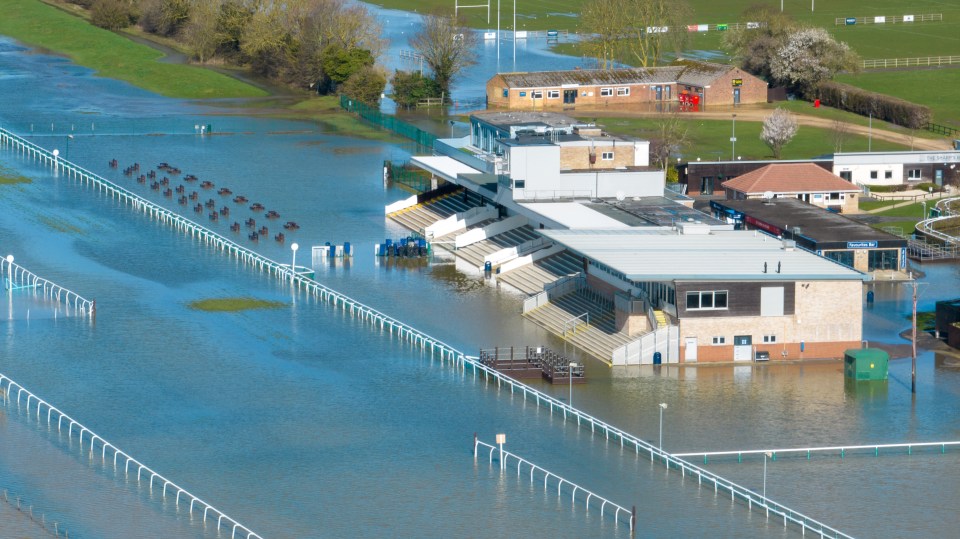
x=883 y=107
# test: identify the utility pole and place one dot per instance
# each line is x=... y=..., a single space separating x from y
x=913 y=357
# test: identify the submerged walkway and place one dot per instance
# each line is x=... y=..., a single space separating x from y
x=447 y=354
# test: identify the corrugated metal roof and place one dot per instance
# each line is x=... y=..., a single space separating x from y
x=573 y=215
x=688 y=73
x=722 y=255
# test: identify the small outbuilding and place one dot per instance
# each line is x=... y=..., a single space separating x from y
x=865 y=364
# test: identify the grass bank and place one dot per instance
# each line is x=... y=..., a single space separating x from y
x=234 y=304
x=936 y=88
x=111 y=55
x=710 y=139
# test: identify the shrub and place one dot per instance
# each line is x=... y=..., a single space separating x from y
x=112 y=14
x=411 y=87
x=366 y=85
x=892 y=109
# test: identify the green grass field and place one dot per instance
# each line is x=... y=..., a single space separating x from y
x=112 y=55
x=234 y=304
x=710 y=139
x=938 y=89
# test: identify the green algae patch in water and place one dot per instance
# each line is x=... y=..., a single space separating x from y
x=225 y=305
x=8 y=177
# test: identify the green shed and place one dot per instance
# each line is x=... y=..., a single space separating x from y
x=865 y=364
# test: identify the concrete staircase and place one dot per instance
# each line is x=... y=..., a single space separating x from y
x=475 y=253
x=531 y=279
x=598 y=338
x=420 y=216
x=662 y=320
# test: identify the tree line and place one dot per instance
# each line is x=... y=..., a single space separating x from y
x=326 y=46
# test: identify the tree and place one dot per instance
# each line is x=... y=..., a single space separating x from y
x=778 y=129
x=366 y=85
x=112 y=14
x=809 y=57
x=164 y=17
x=199 y=32
x=840 y=132
x=604 y=20
x=755 y=47
x=447 y=46
x=651 y=26
x=410 y=87
x=672 y=134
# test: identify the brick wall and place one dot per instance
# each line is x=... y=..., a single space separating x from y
x=578 y=157
x=720 y=92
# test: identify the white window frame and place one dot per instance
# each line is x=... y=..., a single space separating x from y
x=606 y=156
x=918 y=176
x=717 y=341
x=553 y=94
x=606 y=92
x=769 y=339
x=713 y=301
x=622 y=92
x=536 y=94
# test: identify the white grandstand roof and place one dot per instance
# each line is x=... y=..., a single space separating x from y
x=656 y=255
x=573 y=215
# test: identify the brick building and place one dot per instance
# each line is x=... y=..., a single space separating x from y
x=711 y=84
x=804 y=181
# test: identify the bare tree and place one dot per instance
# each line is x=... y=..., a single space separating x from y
x=671 y=135
x=650 y=27
x=778 y=129
x=447 y=46
x=840 y=132
x=606 y=20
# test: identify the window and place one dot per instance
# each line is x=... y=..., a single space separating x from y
x=873 y=174
x=707 y=300
x=914 y=174
x=623 y=91
x=719 y=340
x=606 y=92
x=506 y=92
x=607 y=156
x=769 y=339
x=536 y=94
x=887 y=174
x=553 y=94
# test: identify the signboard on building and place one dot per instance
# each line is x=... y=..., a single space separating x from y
x=738 y=82
x=872 y=244
x=756 y=223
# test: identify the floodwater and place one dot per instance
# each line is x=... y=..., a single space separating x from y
x=303 y=422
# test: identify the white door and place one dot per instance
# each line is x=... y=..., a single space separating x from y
x=742 y=347
x=690 y=349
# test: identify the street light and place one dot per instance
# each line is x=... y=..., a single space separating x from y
x=663 y=406
x=570 y=377
x=501 y=439
x=293 y=265
x=733 y=139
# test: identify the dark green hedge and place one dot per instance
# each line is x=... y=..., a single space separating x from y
x=883 y=107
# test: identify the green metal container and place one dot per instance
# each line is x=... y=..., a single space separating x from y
x=865 y=364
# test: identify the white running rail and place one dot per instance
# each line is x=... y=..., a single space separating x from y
x=17 y=276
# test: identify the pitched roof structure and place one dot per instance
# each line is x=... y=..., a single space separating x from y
x=683 y=72
x=789 y=178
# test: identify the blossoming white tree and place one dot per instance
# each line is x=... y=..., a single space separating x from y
x=778 y=129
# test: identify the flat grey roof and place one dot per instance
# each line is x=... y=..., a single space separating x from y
x=652 y=211
x=516 y=118
x=815 y=222
x=657 y=255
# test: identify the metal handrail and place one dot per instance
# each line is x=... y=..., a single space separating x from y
x=17 y=275
x=547 y=474
x=808 y=450
x=574 y=322
x=8 y=386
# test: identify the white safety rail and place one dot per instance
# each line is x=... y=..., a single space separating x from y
x=13 y=394
x=448 y=355
x=883 y=19
x=910 y=62
x=616 y=510
x=841 y=450
x=927 y=226
x=17 y=276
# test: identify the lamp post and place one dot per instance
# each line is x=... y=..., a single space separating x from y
x=293 y=264
x=570 y=379
x=663 y=406
x=733 y=139
x=501 y=439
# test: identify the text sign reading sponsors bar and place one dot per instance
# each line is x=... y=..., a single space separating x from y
x=762 y=226
x=738 y=82
x=861 y=245
x=850 y=21
x=908 y=18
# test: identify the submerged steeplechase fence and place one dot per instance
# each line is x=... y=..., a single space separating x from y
x=13 y=393
x=447 y=354
x=16 y=277
x=505 y=456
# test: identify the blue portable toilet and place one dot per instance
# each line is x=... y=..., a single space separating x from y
x=657 y=358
